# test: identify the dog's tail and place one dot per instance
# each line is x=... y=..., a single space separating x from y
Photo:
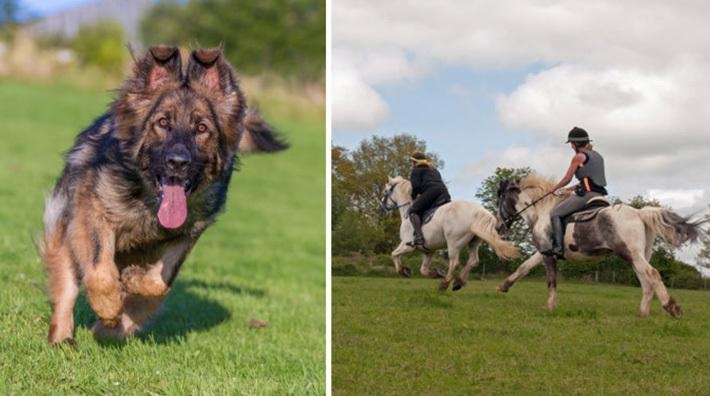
x=259 y=136
x=670 y=226
x=484 y=225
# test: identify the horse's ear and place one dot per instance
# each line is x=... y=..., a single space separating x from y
x=517 y=181
x=389 y=178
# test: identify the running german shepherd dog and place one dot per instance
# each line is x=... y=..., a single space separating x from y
x=141 y=185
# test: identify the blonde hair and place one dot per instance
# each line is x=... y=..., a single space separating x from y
x=421 y=162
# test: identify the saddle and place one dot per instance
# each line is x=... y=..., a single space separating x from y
x=429 y=213
x=589 y=212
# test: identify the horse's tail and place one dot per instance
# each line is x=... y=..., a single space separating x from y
x=670 y=226
x=484 y=226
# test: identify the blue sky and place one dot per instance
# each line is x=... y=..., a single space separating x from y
x=451 y=110
x=40 y=7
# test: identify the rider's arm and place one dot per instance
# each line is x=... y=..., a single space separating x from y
x=416 y=179
x=577 y=161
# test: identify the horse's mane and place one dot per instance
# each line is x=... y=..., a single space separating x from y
x=405 y=183
x=542 y=183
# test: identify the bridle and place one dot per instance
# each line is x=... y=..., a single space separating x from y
x=510 y=220
x=388 y=198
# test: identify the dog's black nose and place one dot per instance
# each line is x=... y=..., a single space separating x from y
x=177 y=159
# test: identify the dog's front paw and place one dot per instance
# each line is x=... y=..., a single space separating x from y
x=103 y=331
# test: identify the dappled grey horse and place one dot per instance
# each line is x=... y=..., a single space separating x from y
x=619 y=229
x=453 y=226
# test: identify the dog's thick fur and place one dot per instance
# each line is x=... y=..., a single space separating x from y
x=141 y=185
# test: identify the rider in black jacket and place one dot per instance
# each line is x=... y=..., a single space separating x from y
x=428 y=190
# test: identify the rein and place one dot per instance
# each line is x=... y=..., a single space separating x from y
x=388 y=197
x=517 y=214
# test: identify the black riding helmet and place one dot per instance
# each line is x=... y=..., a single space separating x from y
x=577 y=135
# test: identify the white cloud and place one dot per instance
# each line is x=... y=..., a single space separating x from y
x=355 y=104
x=681 y=199
x=637 y=63
x=630 y=110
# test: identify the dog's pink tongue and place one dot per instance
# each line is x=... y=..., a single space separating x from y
x=173 y=208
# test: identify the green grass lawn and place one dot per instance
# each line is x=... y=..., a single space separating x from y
x=401 y=337
x=263 y=259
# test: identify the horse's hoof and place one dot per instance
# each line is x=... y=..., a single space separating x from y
x=503 y=287
x=405 y=272
x=673 y=309
x=458 y=284
x=443 y=286
x=436 y=274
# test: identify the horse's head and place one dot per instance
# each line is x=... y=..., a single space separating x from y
x=508 y=197
x=396 y=194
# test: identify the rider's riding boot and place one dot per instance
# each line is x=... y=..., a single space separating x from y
x=418 y=236
x=558 y=237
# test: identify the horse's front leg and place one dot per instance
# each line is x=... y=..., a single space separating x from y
x=429 y=272
x=454 y=252
x=403 y=248
x=472 y=262
x=522 y=270
x=551 y=272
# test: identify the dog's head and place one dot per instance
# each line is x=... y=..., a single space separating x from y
x=182 y=129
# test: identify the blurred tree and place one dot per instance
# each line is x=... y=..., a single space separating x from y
x=9 y=10
x=639 y=202
x=101 y=45
x=286 y=37
x=704 y=254
x=487 y=193
x=358 y=179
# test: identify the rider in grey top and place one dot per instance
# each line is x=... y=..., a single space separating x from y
x=588 y=167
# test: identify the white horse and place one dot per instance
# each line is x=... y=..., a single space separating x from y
x=454 y=225
x=619 y=229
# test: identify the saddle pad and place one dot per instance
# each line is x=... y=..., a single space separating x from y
x=426 y=217
x=590 y=210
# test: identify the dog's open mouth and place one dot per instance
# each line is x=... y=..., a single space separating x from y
x=172 y=194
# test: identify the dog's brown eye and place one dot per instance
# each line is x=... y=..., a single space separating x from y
x=163 y=122
x=201 y=128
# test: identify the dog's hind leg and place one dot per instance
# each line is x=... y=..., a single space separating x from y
x=64 y=288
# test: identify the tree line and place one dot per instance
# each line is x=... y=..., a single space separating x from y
x=283 y=37
x=359 y=228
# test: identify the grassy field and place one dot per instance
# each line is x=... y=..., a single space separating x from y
x=401 y=337
x=264 y=259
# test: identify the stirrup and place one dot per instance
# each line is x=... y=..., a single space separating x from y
x=559 y=254
x=416 y=242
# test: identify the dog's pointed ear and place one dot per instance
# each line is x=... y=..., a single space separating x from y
x=209 y=73
x=161 y=65
x=208 y=68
